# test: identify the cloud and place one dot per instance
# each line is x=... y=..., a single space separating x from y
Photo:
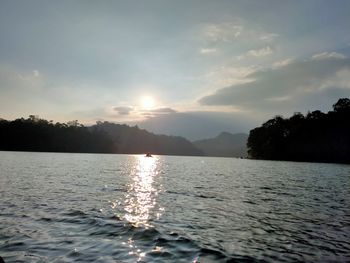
x=283 y=63
x=326 y=55
x=123 y=110
x=163 y=110
x=268 y=37
x=222 y=32
x=207 y=50
x=291 y=87
x=227 y=76
x=36 y=73
x=157 y=112
x=262 y=52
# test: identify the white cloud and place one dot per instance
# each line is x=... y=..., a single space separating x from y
x=225 y=32
x=326 y=55
x=262 y=52
x=283 y=63
x=268 y=37
x=228 y=75
x=36 y=73
x=207 y=50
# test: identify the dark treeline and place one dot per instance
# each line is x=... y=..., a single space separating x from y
x=39 y=135
x=316 y=137
x=34 y=134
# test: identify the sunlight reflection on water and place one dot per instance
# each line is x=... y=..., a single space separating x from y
x=58 y=207
x=141 y=196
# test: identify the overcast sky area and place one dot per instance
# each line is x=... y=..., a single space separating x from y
x=190 y=68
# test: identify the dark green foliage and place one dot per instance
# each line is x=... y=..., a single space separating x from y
x=38 y=135
x=316 y=137
x=34 y=134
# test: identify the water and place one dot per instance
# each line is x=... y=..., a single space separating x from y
x=58 y=207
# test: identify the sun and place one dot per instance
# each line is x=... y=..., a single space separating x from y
x=147 y=102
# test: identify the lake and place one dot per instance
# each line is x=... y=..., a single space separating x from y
x=62 y=207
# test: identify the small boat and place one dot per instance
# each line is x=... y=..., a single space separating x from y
x=148 y=154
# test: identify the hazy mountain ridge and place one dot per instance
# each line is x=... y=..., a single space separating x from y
x=135 y=140
x=35 y=134
x=224 y=145
x=196 y=125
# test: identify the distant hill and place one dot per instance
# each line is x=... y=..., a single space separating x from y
x=135 y=140
x=224 y=145
x=196 y=125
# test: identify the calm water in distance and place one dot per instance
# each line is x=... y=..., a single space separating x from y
x=61 y=207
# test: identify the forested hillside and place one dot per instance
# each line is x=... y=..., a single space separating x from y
x=136 y=140
x=35 y=134
x=316 y=137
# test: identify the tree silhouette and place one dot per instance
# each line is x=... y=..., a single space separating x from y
x=35 y=134
x=317 y=137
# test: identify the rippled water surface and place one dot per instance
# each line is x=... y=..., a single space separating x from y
x=58 y=207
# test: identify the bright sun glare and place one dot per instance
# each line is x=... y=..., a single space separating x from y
x=147 y=102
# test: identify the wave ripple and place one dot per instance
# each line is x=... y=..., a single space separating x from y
x=118 y=208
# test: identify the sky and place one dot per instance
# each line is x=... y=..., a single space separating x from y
x=190 y=68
